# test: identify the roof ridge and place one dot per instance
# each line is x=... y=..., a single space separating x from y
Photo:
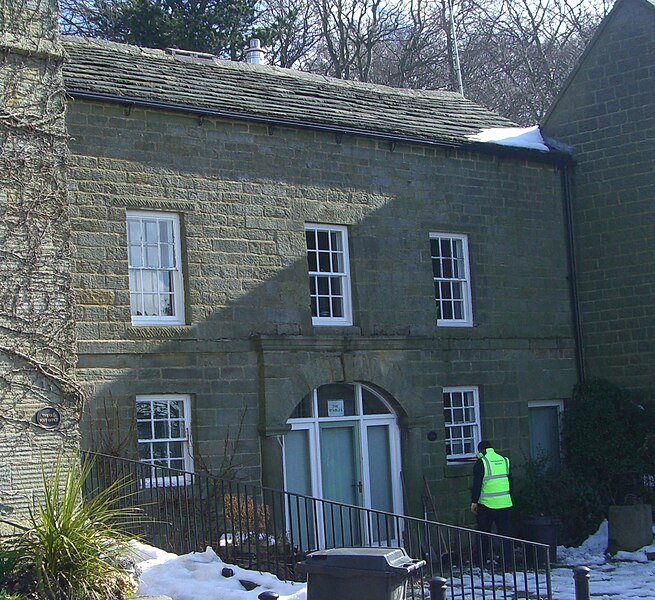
x=156 y=53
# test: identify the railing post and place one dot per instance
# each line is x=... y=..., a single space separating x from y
x=581 y=577
x=438 y=588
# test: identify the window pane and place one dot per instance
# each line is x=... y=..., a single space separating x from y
x=160 y=409
x=143 y=410
x=151 y=231
x=323 y=307
x=310 y=237
x=150 y=305
x=152 y=257
x=323 y=286
x=323 y=240
x=161 y=430
x=372 y=405
x=337 y=262
x=160 y=450
x=134 y=231
x=175 y=449
x=458 y=310
x=436 y=268
x=337 y=307
x=324 y=262
x=144 y=431
x=166 y=281
x=166 y=305
x=335 y=286
x=337 y=244
x=136 y=304
x=447 y=269
x=134 y=256
x=166 y=231
x=176 y=409
x=311 y=261
x=135 y=281
x=177 y=429
x=144 y=452
x=314 y=307
x=149 y=281
x=167 y=256
x=329 y=397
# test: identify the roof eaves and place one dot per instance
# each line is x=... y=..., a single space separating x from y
x=553 y=157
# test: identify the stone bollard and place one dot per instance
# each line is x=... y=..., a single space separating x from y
x=438 y=588
x=581 y=577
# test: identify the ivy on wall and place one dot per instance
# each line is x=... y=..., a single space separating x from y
x=37 y=342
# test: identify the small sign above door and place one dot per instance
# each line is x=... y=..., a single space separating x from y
x=335 y=408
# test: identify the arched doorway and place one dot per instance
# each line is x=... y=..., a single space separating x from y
x=344 y=446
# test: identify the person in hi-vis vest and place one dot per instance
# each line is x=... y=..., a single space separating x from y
x=491 y=495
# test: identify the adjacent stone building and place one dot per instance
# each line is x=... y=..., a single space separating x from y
x=40 y=404
x=315 y=284
x=606 y=112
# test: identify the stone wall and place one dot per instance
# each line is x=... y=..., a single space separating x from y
x=606 y=114
x=36 y=298
x=244 y=193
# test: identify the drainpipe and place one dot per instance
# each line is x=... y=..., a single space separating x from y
x=572 y=275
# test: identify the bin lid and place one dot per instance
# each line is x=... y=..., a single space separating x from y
x=373 y=561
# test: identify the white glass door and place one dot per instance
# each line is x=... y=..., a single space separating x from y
x=344 y=447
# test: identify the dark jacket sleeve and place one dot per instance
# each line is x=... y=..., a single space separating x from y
x=478 y=474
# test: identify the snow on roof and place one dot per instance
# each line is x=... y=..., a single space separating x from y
x=518 y=137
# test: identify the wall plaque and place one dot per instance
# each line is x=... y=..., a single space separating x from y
x=48 y=417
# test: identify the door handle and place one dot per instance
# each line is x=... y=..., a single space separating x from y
x=359 y=486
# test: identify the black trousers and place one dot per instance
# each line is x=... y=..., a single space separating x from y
x=487 y=518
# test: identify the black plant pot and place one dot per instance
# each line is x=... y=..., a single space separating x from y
x=543 y=529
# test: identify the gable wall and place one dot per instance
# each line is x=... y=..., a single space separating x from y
x=608 y=115
x=244 y=193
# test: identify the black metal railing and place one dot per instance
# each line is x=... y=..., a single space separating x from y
x=272 y=530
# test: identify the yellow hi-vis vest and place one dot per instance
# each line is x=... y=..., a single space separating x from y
x=495 y=483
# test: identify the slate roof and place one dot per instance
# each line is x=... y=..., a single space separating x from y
x=118 y=72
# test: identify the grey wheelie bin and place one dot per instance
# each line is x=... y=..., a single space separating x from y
x=358 y=573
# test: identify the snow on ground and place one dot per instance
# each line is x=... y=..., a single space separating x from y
x=518 y=137
x=198 y=576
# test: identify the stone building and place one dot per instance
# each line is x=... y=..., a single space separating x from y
x=315 y=284
x=606 y=112
x=40 y=403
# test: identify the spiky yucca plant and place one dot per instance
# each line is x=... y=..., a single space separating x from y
x=70 y=546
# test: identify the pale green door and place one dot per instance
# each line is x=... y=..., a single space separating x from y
x=341 y=482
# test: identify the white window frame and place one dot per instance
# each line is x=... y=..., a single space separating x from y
x=344 y=275
x=475 y=423
x=463 y=282
x=187 y=445
x=177 y=318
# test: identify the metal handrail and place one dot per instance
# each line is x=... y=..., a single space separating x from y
x=273 y=530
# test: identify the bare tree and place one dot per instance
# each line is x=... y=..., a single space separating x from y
x=519 y=52
x=296 y=32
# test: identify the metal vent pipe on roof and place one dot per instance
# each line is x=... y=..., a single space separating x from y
x=254 y=52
